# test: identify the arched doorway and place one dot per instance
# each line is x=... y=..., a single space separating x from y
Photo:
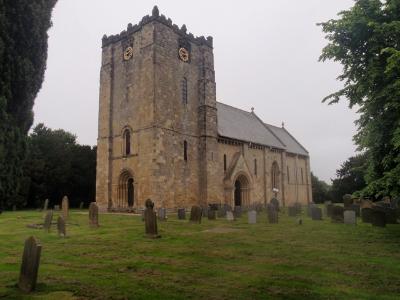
x=126 y=190
x=241 y=192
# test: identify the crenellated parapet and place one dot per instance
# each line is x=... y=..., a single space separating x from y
x=155 y=16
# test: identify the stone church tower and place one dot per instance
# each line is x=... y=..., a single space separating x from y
x=162 y=135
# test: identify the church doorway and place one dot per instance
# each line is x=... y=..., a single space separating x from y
x=126 y=190
x=241 y=192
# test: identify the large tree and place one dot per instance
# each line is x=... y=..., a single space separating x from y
x=366 y=41
x=23 y=54
x=320 y=190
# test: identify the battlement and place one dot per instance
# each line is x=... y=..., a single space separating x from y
x=155 y=16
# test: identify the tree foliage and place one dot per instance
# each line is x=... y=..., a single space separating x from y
x=320 y=190
x=56 y=166
x=23 y=54
x=365 y=40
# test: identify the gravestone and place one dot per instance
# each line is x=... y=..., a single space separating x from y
x=56 y=207
x=181 y=214
x=329 y=208
x=347 y=200
x=230 y=216
x=46 y=204
x=252 y=217
x=30 y=265
x=366 y=215
x=212 y=214
x=275 y=203
x=204 y=211
x=93 y=215
x=47 y=220
x=195 y=214
x=61 y=227
x=355 y=208
x=81 y=205
x=297 y=207
x=221 y=213
x=150 y=220
x=309 y=209
x=378 y=218
x=316 y=213
x=65 y=207
x=162 y=214
x=300 y=221
x=272 y=214
x=237 y=212
x=326 y=203
x=349 y=217
x=337 y=214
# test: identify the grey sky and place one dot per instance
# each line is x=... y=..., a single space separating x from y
x=266 y=57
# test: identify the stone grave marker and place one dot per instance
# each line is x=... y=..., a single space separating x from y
x=272 y=214
x=162 y=214
x=378 y=218
x=204 y=211
x=212 y=214
x=195 y=214
x=350 y=217
x=221 y=213
x=366 y=215
x=47 y=220
x=30 y=265
x=56 y=207
x=61 y=227
x=275 y=203
x=252 y=216
x=329 y=208
x=316 y=213
x=237 y=212
x=93 y=215
x=65 y=207
x=150 y=220
x=81 y=205
x=337 y=214
x=181 y=214
x=230 y=216
x=297 y=207
x=356 y=209
x=46 y=204
x=347 y=200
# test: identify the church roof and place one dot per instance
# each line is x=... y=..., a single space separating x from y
x=247 y=126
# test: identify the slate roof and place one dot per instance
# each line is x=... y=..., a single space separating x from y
x=246 y=126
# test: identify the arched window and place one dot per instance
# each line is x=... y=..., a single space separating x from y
x=224 y=162
x=127 y=142
x=275 y=175
x=255 y=166
x=184 y=91
x=185 y=151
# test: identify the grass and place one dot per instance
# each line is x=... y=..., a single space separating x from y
x=214 y=260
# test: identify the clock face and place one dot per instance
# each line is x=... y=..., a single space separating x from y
x=183 y=54
x=128 y=53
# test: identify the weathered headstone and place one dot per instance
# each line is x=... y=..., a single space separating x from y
x=349 y=217
x=81 y=205
x=47 y=220
x=275 y=203
x=162 y=214
x=65 y=207
x=237 y=212
x=30 y=265
x=366 y=215
x=252 y=217
x=61 y=227
x=56 y=207
x=212 y=214
x=337 y=214
x=204 y=211
x=329 y=208
x=181 y=214
x=46 y=204
x=221 y=213
x=230 y=216
x=93 y=215
x=150 y=220
x=195 y=214
x=347 y=200
x=378 y=218
x=297 y=207
x=316 y=213
x=309 y=209
x=272 y=214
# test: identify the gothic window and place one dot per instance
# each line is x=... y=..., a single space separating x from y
x=184 y=91
x=185 y=151
x=255 y=166
x=274 y=176
x=288 y=175
x=127 y=142
x=224 y=162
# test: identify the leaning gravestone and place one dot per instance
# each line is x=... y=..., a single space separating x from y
x=93 y=215
x=237 y=212
x=195 y=214
x=181 y=214
x=30 y=265
x=150 y=220
x=47 y=220
x=230 y=216
x=212 y=214
x=272 y=214
x=337 y=214
x=46 y=204
x=349 y=217
x=378 y=218
x=61 y=227
x=162 y=214
x=366 y=215
x=252 y=217
x=65 y=207
x=316 y=213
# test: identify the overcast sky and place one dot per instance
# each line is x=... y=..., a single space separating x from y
x=266 y=56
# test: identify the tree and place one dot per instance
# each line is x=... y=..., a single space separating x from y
x=320 y=190
x=365 y=40
x=23 y=54
x=350 y=177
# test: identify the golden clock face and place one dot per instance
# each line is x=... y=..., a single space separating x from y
x=128 y=53
x=183 y=54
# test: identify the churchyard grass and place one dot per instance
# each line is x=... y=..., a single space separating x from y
x=216 y=259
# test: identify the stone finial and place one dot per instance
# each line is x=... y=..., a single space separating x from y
x=183 y=28
x=283 y=124
x=252 y=109
x=155 y=12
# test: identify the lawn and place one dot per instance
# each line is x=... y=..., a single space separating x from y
x=213 y=260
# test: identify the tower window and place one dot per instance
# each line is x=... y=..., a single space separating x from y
x=185 y=151
x=184 y=91
x=127 y=142
x=224 y=162
x=255 y=166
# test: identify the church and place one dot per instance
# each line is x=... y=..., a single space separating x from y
x=162 y=134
